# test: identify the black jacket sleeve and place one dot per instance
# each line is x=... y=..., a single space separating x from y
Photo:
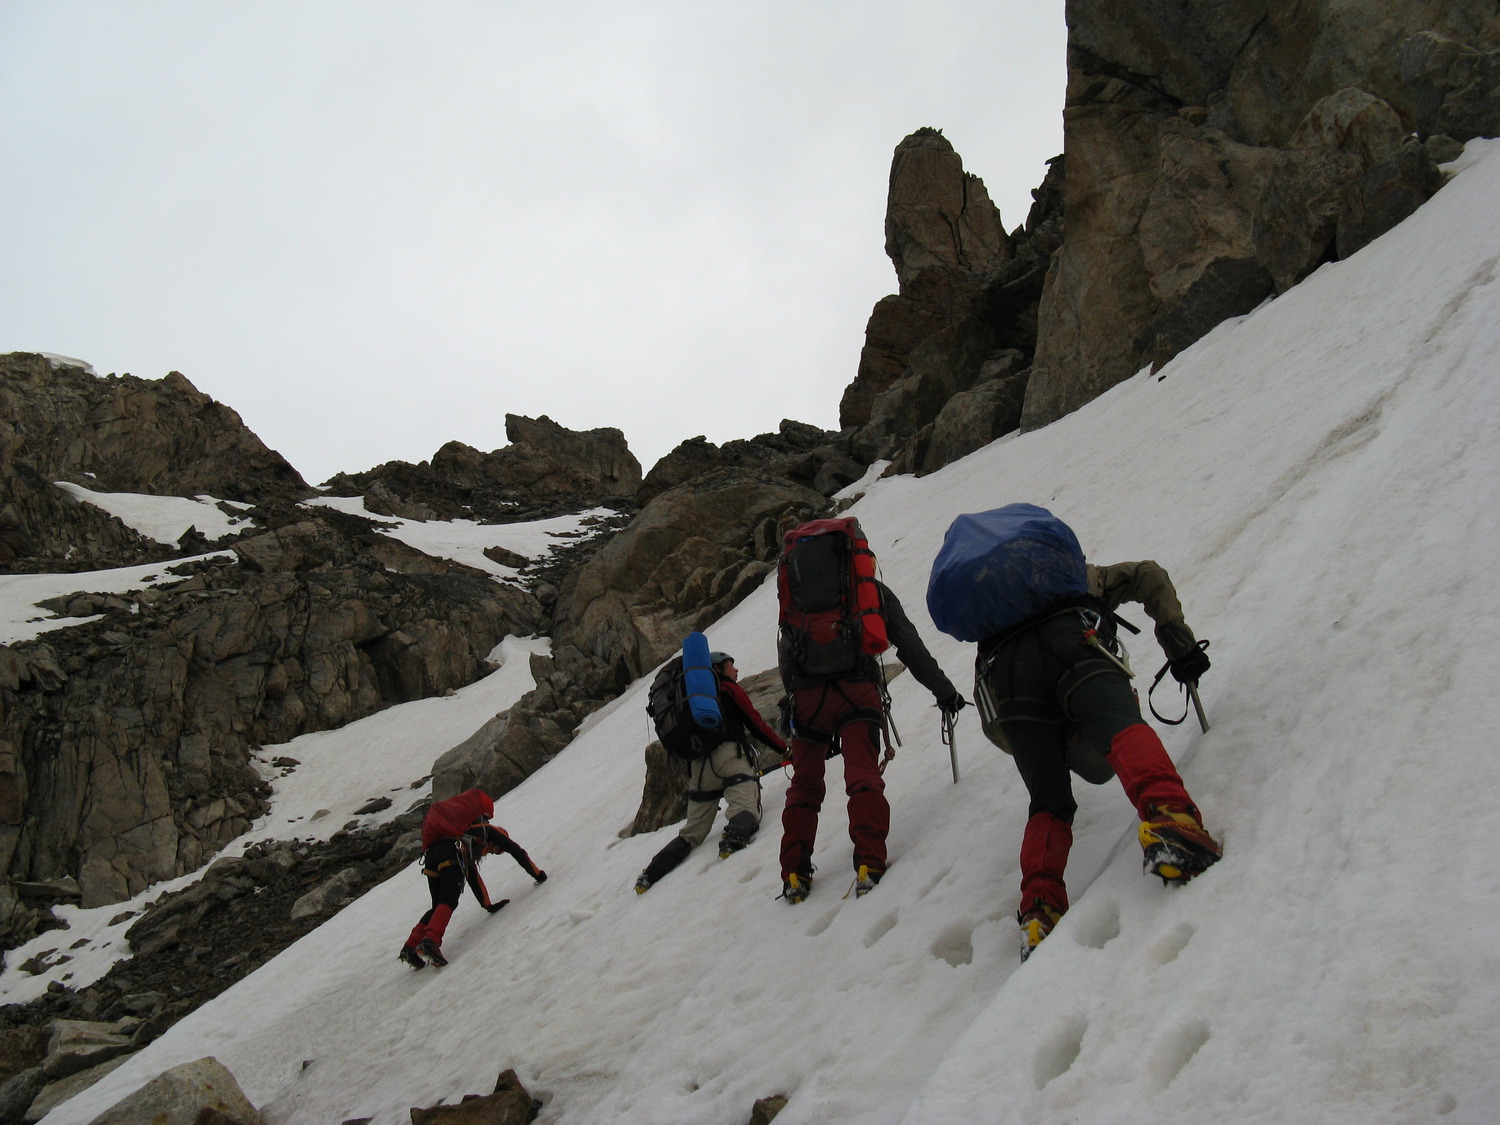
x=495 y=840
x=910 y=649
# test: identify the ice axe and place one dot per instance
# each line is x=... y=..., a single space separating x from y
x=1190 y=687
x=950 y=737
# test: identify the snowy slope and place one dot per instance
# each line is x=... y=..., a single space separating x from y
x=1319 y=479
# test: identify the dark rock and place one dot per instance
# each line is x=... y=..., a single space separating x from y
x=547 y=470
x=1453 y=86
x=944 y=236
x=506 y=558
x=19 y=1091
x=1210 y=147
x=510 y=1104
x=800 y=453
x=766 y=1109
x=21 y=1048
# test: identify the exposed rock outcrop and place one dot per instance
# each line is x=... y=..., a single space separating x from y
x=119 y=433
x=546 y=470
x=113 y=434
x=1216 y=156
x=125 y=744
x=690 y=556
x=802 y=454
x=944 y=236
x=958 y=378
x=508 y=1104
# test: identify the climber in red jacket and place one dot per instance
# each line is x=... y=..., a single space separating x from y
x=456 y=834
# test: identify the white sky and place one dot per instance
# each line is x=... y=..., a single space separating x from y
x=663 y=215
x=1318 y=477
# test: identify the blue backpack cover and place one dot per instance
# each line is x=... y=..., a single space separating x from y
x=999 y=568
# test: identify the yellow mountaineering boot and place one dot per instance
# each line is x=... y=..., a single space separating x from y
x=1037 y=921
x=1176 y=845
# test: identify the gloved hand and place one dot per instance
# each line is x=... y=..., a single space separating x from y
x=541 y=877
x=1185 y=656
x=1190 y=666
x=951 y=705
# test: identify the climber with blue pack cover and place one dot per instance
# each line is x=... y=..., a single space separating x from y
x=1052 y=686
x=699 y=685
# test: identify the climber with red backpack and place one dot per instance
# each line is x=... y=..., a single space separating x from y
x=1052 y=686
x=836 y=618
x=456 y=835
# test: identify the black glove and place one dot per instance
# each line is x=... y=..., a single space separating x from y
x=1185 y=656
x=1190 y=666
x=541 y=877
x=951 y=705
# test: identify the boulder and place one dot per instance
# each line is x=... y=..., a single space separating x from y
x=19 y=1091
x=331 y=896
x=510 y=1104
x=56 y=1093
x=765 y=1109
x=191 y=1093
x=75 y=1045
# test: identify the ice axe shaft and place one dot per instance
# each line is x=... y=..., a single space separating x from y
x=950 y=736
x=1192 y=690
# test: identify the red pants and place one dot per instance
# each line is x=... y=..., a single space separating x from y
x=850 y=711
x=1149 y=779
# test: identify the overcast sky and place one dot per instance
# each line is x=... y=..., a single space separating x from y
x=414 y=207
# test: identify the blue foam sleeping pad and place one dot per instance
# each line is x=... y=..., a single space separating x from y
x=701 y=683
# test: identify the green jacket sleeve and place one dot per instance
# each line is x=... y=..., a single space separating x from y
x=1145 y=582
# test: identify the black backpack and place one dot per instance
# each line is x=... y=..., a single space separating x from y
x=667 y=704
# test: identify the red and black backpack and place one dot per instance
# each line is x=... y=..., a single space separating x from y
x=831 y=621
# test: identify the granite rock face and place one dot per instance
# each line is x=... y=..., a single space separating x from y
x=545 y=470
x=59 y=422
x=1217 y=154
x=946 y=361
x=126 y=744
x=944 y=236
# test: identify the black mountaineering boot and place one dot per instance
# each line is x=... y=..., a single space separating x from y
x=738 y=832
